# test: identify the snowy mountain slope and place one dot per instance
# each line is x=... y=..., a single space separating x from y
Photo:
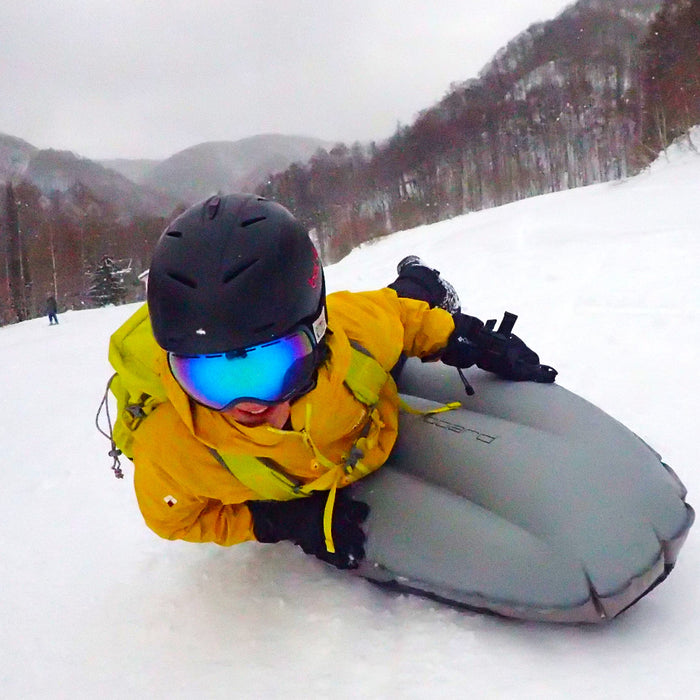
x=605 y=282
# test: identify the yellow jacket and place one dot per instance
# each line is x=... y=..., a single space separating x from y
x=183 y=490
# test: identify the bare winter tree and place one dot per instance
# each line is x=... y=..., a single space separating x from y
x=18 y=277
x=671 y=74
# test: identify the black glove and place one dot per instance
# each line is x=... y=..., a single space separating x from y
x=418 y=281
x=301 y=522
x=462 y=349
x=509 y=357
x=498 y=351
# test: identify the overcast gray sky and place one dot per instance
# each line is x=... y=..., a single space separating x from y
x=147 y=78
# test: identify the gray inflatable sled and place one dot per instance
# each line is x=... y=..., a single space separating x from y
x=529 y=502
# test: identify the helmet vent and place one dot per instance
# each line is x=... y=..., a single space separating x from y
x=174 y=234
x=213 y=206
x=232 y=274
x=182 y=280
x=254 y=220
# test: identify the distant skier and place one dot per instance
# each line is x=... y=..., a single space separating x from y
x=279 y=397
x=52 y=310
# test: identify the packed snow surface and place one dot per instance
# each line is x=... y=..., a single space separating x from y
x=605 y=281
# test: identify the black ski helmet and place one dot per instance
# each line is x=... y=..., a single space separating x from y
x=231 y=272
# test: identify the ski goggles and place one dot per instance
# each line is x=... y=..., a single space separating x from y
x=267 y=374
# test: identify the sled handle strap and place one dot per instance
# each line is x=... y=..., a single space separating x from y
x=507 y=323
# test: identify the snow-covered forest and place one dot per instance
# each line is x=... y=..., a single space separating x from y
x=589 y=96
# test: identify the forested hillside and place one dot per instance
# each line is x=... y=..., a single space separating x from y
x=587 y=97
x=55 y=245
x=65 y=219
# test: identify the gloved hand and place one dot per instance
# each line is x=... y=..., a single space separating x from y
x=462 y=349
x=301 y=521
x=509 y=357
x=498 y=351
x=418 y=281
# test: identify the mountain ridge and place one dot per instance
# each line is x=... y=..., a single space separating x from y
x=229 y=166
x=156 y=187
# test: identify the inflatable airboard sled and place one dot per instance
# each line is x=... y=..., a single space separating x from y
x=528 y=502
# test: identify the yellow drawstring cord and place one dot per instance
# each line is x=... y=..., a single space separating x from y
x=328 y=517
x=305 y=435
x=330 y=501
x=429 y=411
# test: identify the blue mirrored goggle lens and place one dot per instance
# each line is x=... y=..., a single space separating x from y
x=269 y=373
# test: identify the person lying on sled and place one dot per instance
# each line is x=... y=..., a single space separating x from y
x=278 y=396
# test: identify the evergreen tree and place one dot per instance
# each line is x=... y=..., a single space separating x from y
x=107 y=284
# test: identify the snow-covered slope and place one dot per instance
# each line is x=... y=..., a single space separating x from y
x=605 y=280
